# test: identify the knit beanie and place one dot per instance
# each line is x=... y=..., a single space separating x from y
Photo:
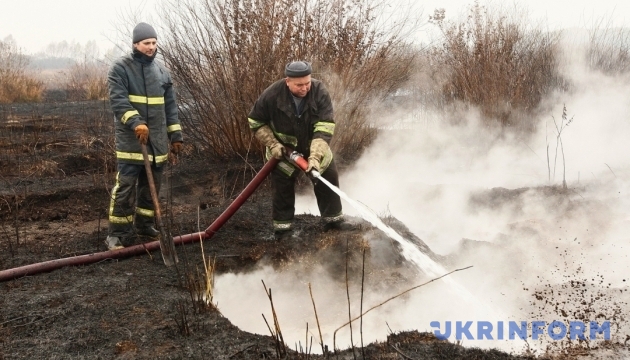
x=297 y=69
x=143 y=31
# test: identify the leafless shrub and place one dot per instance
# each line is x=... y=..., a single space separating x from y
x=355 y=89
x=16 y=85
x=224 y=53
x=496 y=63
x=608 y=48
x=87 y=80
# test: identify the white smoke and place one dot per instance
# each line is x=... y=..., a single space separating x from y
x=437 y=179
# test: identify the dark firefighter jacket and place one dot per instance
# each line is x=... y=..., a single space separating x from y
x=275 y=107
x=141 y=92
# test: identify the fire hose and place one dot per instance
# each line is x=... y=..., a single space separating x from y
x=139 y=249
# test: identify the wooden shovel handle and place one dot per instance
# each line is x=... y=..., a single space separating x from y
x=167 y=247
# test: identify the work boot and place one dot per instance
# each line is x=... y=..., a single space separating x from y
x=341 y=226
x=150 y=232
x=113 y=243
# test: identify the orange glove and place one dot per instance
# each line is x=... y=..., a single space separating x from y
x=142 y=133
x=176 y=147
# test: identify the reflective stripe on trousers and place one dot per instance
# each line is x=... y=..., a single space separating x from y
x=131 y=199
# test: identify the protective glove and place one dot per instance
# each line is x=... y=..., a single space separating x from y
x=142 y=133
x=176 y=147
x=313 y=164
x=319 y=147
x=277 y=151
x=266 y=137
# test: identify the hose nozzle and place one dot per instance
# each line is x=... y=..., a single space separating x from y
x=298 y=159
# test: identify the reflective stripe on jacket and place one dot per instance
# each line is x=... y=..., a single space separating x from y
x=142 y=92
x=275 y=108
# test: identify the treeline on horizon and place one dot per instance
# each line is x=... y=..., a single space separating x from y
x=223 y=53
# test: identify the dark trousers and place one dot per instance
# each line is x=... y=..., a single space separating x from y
x=131 y=200
x=283 y=189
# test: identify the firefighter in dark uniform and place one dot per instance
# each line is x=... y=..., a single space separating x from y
x=297 y=112
x=142 y=98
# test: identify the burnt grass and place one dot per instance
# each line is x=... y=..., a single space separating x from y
x=56 y=171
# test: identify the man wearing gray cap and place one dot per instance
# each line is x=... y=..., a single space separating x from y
x=142 y=98
x=297 y=111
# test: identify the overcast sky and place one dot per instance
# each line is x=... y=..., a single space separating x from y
x=36 y=23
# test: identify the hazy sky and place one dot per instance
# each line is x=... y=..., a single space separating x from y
x=36 y=23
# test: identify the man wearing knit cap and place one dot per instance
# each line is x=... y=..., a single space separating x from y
x=142 y=98
x=297 y=112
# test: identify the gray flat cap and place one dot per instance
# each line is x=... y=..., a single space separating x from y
x=298 y=69
x=143 y=31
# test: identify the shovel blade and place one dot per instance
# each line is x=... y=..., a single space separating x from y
x=167 y=248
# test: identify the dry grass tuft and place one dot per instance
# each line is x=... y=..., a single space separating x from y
x=16 y=85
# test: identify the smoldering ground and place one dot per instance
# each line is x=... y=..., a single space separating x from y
x=496 y=201
x=453 y=183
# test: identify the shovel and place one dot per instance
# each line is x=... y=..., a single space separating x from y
x=167 y=247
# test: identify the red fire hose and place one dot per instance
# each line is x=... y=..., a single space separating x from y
x=45 y=266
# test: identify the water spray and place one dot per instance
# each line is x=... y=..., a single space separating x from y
x=409 y=250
